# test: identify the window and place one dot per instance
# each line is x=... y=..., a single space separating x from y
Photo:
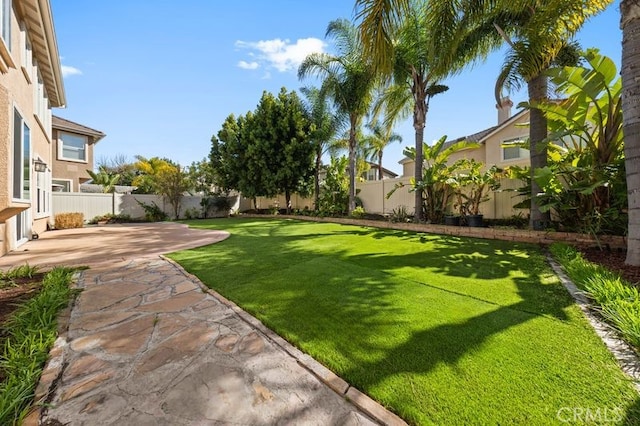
x=26 y=53
x=43 y=193
x=511 y=150
x=21 y=158
x=61 y=185
x=72 y=147
x=5 y=22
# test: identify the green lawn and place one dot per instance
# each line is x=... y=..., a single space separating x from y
x=438 y=329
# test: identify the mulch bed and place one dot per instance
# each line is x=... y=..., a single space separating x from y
x=18 y=292
x=614 y=261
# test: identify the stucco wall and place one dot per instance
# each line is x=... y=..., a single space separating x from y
x=76 y=171
x=16 y=91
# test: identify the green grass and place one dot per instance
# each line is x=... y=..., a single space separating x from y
x=618 y=301
x=30 y=333
x=441 y=330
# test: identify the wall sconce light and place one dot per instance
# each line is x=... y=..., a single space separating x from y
x=39 y=166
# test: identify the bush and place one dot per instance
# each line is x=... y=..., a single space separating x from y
x=112 y=218
x=358 y=212
x=30 y=333
x=69 y=220
x=192 y=213
x=399 y=215
x=153 y=213
x=619 y=302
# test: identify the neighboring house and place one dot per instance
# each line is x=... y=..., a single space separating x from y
x=30 y=85
x=372 y=173
x=497 y=143
x=73 y=146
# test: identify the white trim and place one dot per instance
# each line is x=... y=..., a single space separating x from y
x=62 y=180
x=23 y=123
x=60 y=153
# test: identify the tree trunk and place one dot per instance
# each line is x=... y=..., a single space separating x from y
x=352 y=165
x=630 y=24
x=419 y=118
x=317 y=178
x=537 y=133
x=287 y=197
x=380 y=174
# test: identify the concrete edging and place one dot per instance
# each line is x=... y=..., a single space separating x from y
x=362 y=401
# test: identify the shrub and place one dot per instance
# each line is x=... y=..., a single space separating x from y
x=358 y=212
x=619 y=302
x=153 y=213
x=112 y=218
x=30 y=333
x=192 y=213
x=69 y=220
x=399 y=215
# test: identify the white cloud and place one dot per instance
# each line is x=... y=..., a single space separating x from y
x=248 y=65
x=68 y=71
x=282 y=54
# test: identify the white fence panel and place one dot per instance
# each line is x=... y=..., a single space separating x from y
x=91 y=205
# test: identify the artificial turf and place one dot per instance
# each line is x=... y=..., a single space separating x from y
x=439 y=329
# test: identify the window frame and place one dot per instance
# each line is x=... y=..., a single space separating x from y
x=523 y=153
x=43 y=187
x=61 y=147
x=21 y=161
x=69 y=181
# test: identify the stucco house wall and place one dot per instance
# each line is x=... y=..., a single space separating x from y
x=29 y=69
x=72 y=172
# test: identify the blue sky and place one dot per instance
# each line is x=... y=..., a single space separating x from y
x=160 y=80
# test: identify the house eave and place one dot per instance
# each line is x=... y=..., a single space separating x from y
x=39 y=20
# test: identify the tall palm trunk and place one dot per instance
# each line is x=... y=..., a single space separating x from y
x=317 y=177
x=419 y=118
x=352 y=163
x=630 y=24
x=380 y=174
x=537 y=87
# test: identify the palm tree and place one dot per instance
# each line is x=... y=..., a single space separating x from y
x=630 y=24
x=326 y=124
x=348 y=79
x=105 y=178
x=538 y=36
x=427 y=45
x=381 y=136
x=470 y=28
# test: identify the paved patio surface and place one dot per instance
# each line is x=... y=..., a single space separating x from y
x=148 y=344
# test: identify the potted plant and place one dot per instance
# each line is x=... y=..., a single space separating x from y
x=475 y=186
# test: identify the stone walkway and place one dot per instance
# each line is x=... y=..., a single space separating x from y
x=148 y=344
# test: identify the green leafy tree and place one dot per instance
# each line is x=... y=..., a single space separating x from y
x=107 y=179
x=348 y=78
x=334 y=189
x=147 y=170
x=172 y=183
x=278 y=138
x=630 y=66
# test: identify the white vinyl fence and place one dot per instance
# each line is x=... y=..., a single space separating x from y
x=92 y=205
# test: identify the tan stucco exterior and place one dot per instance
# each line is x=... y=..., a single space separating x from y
x=18 y=93
x=73 y=170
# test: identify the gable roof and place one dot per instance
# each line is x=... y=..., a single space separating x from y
x=384 y=170
x=60 y=123
x=481 y=136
